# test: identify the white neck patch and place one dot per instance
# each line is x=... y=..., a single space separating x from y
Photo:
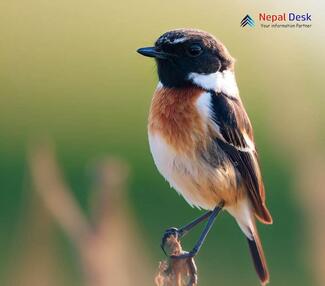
x=159 y=86
x=224 y=82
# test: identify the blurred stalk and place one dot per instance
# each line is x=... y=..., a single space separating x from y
x=109 y=246
x=34 y=261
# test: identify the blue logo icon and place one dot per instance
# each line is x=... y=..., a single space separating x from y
x=248 y=20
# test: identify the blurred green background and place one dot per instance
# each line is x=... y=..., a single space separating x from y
x=69 y=71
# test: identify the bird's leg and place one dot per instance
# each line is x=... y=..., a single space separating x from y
x=180 y=232
x=203 y=235
x=186 y=228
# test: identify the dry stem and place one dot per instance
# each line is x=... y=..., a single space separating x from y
x=176 y=272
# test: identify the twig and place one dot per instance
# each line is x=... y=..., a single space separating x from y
x=176 y=272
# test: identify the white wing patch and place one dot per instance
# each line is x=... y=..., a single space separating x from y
x=249 y=142
x=204 y=106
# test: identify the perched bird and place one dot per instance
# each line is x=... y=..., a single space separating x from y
x=201 y=138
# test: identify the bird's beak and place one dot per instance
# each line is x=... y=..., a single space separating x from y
x=152 y=53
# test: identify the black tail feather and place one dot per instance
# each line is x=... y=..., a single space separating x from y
x=258 y=257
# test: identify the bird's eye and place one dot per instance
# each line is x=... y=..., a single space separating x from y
x=194 y=50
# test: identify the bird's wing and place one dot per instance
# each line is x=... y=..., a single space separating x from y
x=235 y=138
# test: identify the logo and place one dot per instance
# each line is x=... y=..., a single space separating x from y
x=288 y=20
x=248 y=20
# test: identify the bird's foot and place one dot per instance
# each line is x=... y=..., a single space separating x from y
x=184 y=255
x=169 y=232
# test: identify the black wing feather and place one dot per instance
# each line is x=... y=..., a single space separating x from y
x=229 y=114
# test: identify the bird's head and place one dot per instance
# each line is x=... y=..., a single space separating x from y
x=188 y=57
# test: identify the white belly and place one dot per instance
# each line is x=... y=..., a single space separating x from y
x=163 y=155
x=188 y=178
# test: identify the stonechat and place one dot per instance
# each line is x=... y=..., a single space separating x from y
x=201 y=138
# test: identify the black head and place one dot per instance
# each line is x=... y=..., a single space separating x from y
x=184 y=51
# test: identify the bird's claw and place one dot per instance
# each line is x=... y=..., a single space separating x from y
x=172 y=231
x=184 y=255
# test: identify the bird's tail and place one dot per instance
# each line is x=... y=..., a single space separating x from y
x=244 y=214
x=258 y=256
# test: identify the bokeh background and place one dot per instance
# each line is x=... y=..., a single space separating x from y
x=69 y=73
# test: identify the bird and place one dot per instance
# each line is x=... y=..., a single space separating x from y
x=201 y=137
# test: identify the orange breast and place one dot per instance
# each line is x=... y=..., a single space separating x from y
x=175 y=116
